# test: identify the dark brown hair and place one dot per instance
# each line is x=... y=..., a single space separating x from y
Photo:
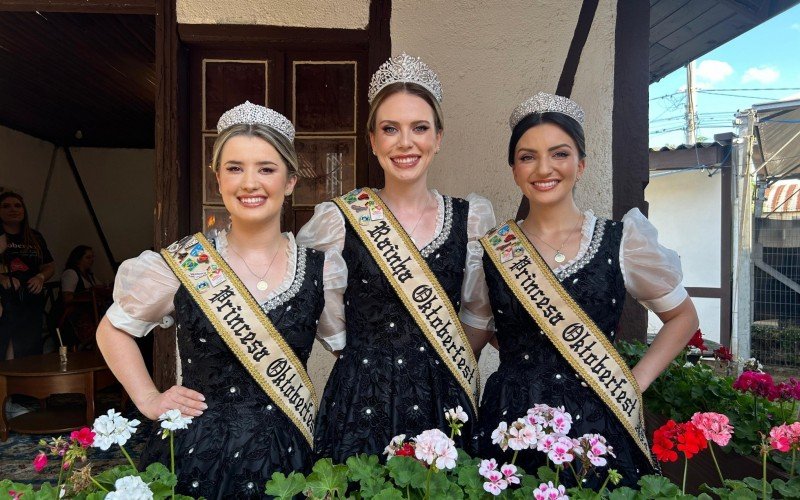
x=25 y=229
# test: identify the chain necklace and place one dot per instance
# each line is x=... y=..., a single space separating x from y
x=559 y=257
x=262 y=284
x=422 y=212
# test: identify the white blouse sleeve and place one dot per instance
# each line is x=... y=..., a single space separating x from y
x=652 y=273
x=144 y=290
x=476 y=311
x=69 y=280
x=325 y=232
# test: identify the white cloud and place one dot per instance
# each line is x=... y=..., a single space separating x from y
x=712 y=71
x=792 y=97
x=795 y=26
x=762 y=75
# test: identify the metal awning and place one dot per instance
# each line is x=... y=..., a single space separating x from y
x=777 y=131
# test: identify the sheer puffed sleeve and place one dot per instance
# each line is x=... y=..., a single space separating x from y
x=325 y=232
x=476 y=311
x=652 y=272
x=144 y=290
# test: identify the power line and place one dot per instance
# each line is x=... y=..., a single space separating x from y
x=764 y=89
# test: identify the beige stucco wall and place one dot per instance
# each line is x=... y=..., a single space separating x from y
x=119 y=183
x=350 y=14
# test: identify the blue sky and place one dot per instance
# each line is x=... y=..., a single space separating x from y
x=761 y=59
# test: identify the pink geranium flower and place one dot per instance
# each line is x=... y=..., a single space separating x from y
x=760 y=384
x=40 y=462
x=510 y=473
x=495 y=484
x=715 y=427
x=547 y=491
x=487 y=466
x=561 y=451
x=784 y=437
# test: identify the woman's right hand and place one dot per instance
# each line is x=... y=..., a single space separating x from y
x=189 y=402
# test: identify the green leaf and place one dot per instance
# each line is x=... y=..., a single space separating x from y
x=624 y=493
x=470 y=478
x=108 y=477
x=389 y=494
x=582 y=494
x=742 y=494
x=46 y=492
x=657 y=486
x=327 y=479
x=371 y=486
x=407 y=471
x=440 y=485
x=789 y=489
x=546 y=474
x=756 y=485
x=361 y=467
x=284 y=488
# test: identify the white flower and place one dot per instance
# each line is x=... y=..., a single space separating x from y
x=456 y=415
x=487 y=466
x=172 y=420
x=521 y=435
x=432 y=446
x=112 y=428
x=510 y=473
x=495 y=484
x=500 y=436
x=546 y=491
x=688 y=364
x=130 y=488
x=561 y=422
x=446 y=454
x=395 y=444
x=561 y=450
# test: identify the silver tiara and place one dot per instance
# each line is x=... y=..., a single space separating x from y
x=546 y=103
x=252 y=114
x=405 y=68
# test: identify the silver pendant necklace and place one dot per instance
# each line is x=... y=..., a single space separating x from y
x=262 y=284
x=559 y=256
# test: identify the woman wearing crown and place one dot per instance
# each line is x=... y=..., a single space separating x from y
x=402 y=262
x=557 y=283
x=242 y=352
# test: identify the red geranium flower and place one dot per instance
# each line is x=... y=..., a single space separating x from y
x=84 y=437
x=405 y=451
x=723 y=354
x=663 y=442
x=697 y=341
x=691 y=440
x=40 y=462
x=673 y=437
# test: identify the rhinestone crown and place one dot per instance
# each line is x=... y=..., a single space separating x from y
x=252 y=114
x=405 y=68
x=546 y=103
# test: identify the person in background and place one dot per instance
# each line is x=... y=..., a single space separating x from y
x=25 y=266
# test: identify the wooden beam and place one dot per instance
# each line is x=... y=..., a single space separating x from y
x=80 y=6
x=677 y=159
x=704 y=292
x=380 y=49
x=170 y=166
x=247 y=36
x=629 y=138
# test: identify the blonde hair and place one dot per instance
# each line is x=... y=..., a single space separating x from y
x=405 y=88
x=279 y=141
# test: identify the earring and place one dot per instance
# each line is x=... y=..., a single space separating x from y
x=437 y=149
x=288 y=194
x=374 y=153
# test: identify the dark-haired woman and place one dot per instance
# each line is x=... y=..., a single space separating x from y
x=557 y=284
x=76 y=314
x=405 y=357
x=26 y=265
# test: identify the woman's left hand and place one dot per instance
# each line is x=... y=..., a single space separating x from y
x=36 y=283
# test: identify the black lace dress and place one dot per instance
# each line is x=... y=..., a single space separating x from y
x=388 y=379
x=532 y=370
x=243 y=437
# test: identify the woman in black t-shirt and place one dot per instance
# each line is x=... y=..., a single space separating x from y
x=25 y=266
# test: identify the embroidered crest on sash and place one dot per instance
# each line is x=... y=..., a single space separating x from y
x=414 y=282
x=568 y=327
x=245 y=328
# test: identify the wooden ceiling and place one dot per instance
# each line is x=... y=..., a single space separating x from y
x=68 y=72
x=684 y=30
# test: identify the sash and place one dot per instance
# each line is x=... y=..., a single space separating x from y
x=568 y=327
x=245 y=328
x=414 y=283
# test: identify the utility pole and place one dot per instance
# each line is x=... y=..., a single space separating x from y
x=691 y=112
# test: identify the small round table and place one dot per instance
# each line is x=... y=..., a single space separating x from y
x=42 y=376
